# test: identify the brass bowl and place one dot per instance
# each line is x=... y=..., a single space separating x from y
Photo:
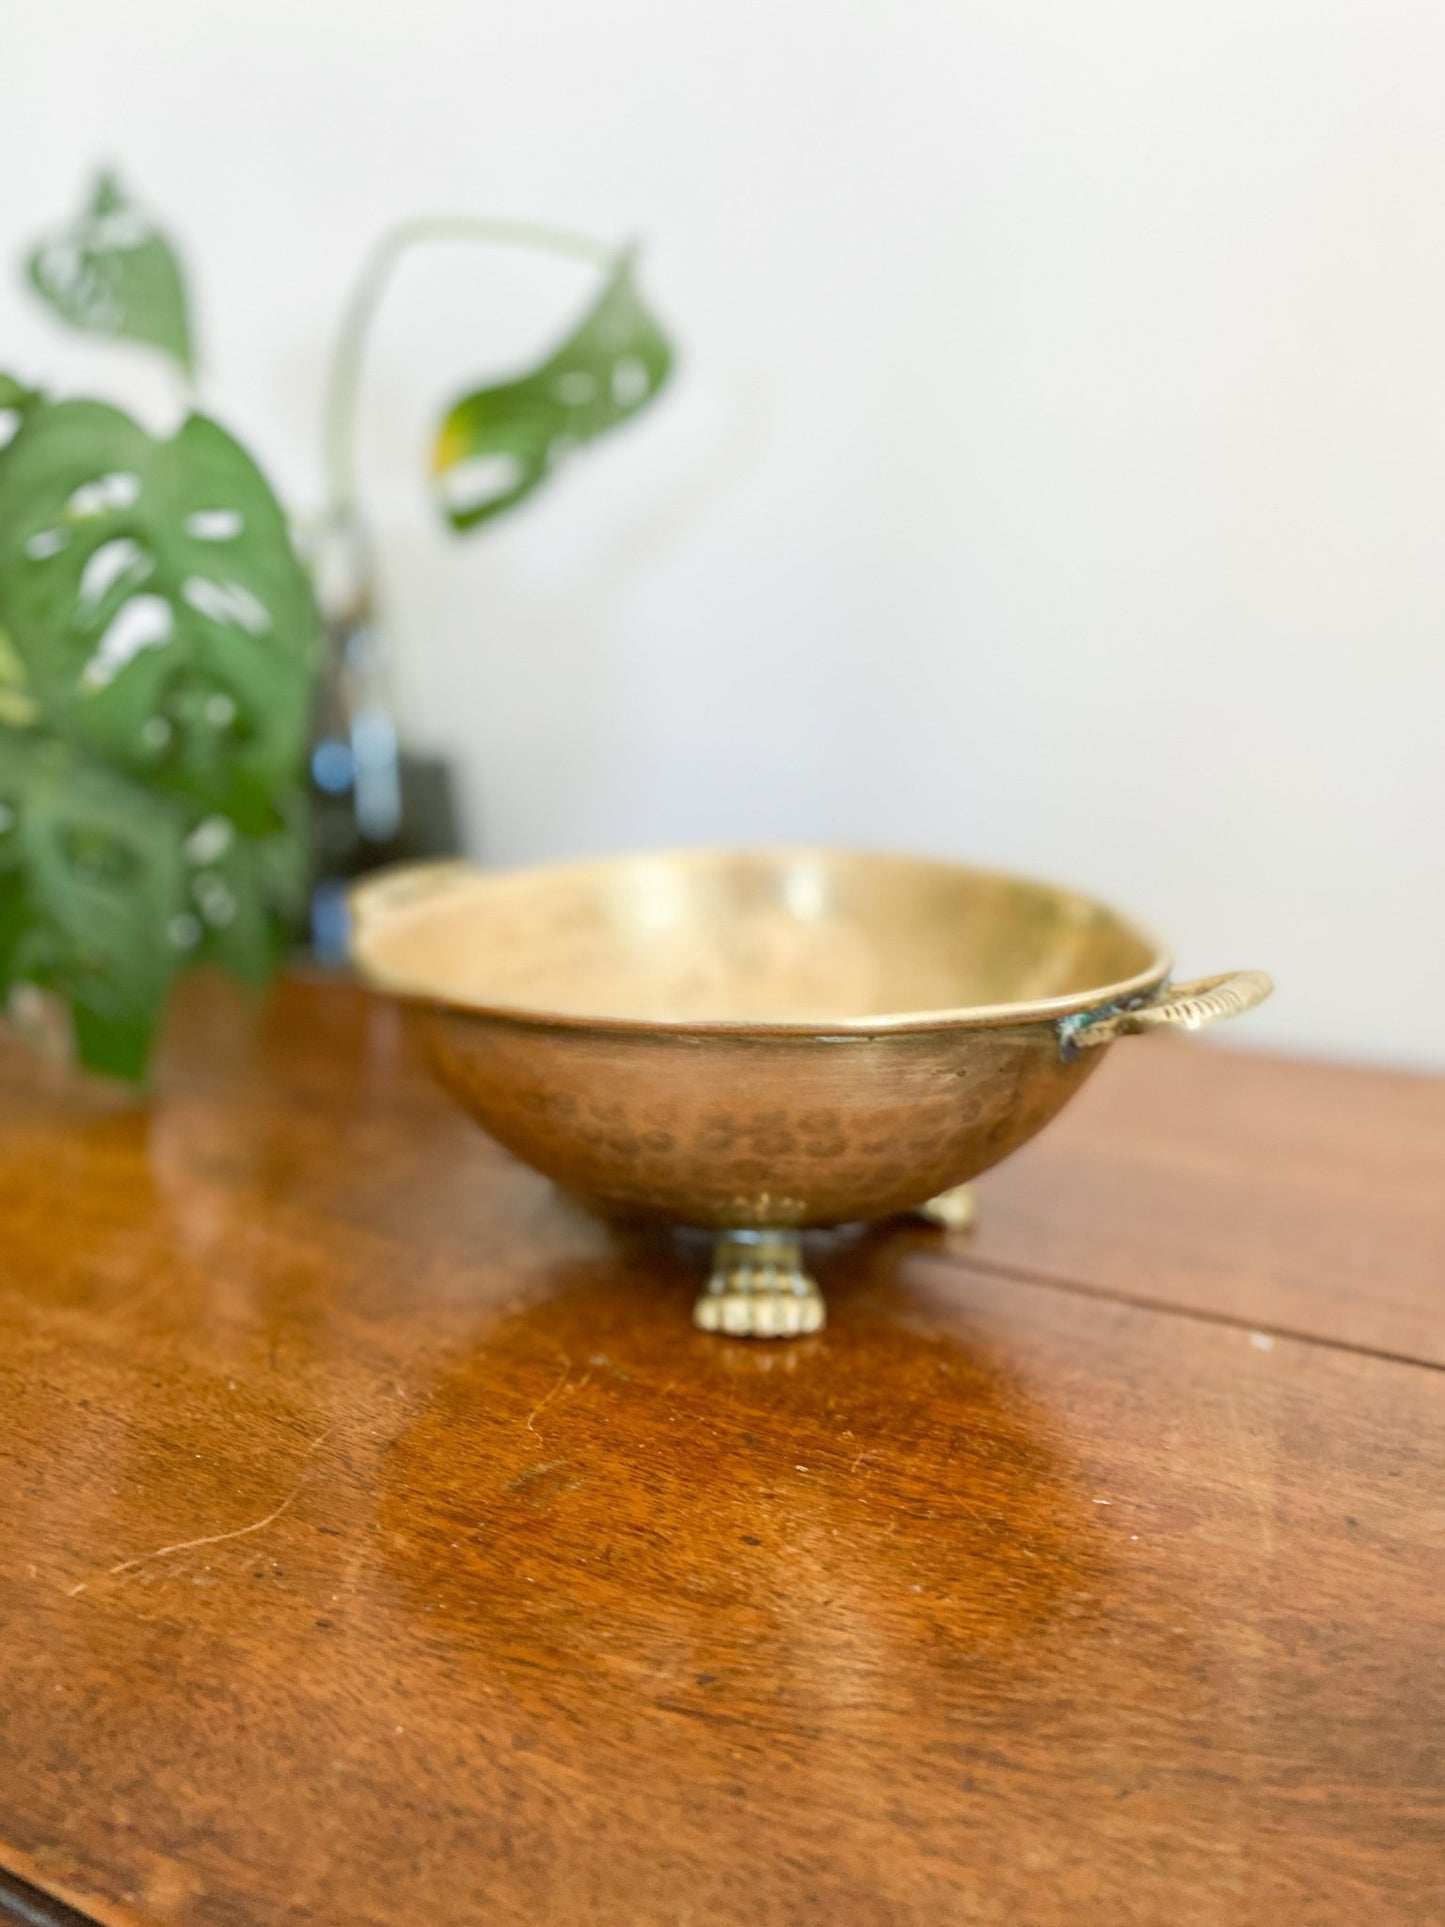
x=760 y=1040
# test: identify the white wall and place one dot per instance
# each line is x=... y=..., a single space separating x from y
x=1056 y=476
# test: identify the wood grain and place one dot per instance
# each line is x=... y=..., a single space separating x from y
x=379 y=1543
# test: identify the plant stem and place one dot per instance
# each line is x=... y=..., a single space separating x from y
x=344 y=377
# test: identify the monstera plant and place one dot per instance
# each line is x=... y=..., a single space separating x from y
x=159 y=636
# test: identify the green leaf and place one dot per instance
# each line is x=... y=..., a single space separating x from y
x=246 y=893
x=151 y=595
x=108 y=889
x=498 y=444
x=15 y=401
x=157 y=641
x=94 y=889
x=17 y=705
x=15 y=396
x=112 y=272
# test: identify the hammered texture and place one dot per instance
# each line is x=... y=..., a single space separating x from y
x=718 y=1130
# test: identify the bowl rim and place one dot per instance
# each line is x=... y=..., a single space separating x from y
x=428 y=879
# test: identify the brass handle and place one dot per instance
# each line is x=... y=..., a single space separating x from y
x=1208 y=1000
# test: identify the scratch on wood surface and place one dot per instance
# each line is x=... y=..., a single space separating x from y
x=207 y=1539
x=541 y=1407
x=216 y=1538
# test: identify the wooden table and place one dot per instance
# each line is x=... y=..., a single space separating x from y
x=379 y=1543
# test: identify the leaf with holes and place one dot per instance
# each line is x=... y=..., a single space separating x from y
x=151 y=595
x=246 y=894
x=108 y=889
x=92 y=893
x=495 y=446
x=112 y=272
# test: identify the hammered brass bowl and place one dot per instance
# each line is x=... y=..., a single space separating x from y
x=760 y=1040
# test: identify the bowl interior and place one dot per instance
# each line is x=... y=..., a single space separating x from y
x=797 y=937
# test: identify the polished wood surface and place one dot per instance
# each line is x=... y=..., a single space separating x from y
x=379 y=1543
x=1305 y=1197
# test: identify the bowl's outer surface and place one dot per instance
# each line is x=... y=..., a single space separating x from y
x=713 y=1129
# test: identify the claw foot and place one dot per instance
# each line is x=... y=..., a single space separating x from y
x=758 y=1288
x=953 y=1210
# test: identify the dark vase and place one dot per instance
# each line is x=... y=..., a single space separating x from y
x=373 y=802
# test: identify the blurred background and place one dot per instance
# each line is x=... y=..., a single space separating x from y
x=1053 y=475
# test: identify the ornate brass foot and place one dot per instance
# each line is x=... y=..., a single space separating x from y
x=759 y=1288
x=953 y=1210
